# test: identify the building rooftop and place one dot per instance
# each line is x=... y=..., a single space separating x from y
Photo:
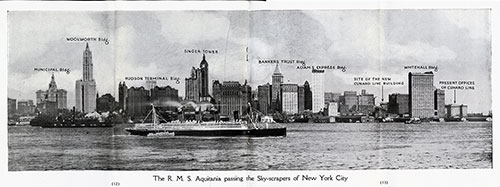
x=421 y=73
x=277 y=70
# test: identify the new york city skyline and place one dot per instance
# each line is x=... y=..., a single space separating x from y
x=378 y=43
x=303 y=90
x=148 y=56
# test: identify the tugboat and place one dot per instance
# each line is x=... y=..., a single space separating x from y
x=254 y=127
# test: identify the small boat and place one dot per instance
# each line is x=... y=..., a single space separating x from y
x=265 y=127
x=414 y=121
x=24 y=121
x=12 y=122
x=301 y=119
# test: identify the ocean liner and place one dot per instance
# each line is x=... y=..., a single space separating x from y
x=254 y=126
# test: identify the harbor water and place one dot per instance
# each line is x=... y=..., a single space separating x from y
x=311 y=146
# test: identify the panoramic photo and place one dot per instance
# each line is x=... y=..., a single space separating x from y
x=249 y=90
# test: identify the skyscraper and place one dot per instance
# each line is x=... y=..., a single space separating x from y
x=398 y=104
x=301 y=99
x=59 y=96
x=290 y=96
x=204 y=78
x=421 y=91
x=138 y=103
x=12 y=106
x=85 y=88
x=231 y=99
x=318 y=95
x=192 y=92
x=217 y=93
x=106 y=103
x=307 y=96
x=197 y=84
x=276 y=88
x=439 y=106
x=122 y=96
x=162 y=96
x=264 y=94
x=246 y=97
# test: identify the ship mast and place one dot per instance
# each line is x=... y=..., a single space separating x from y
x=250 y=114
x=155 y=118
x=382 y=93
x=454 y=96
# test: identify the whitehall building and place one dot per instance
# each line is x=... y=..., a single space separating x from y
x=421 y=93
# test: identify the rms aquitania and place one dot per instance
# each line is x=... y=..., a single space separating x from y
x=253 y=125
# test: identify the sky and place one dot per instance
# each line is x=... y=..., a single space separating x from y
x=377 y=43
x=141 y=44
x=369 y=43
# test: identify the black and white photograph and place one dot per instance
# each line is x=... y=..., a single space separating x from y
x=260 y=90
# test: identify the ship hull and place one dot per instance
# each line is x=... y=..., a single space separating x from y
x=76 y=125
x=213 y=132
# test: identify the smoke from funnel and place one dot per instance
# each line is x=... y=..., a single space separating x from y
x=171 y=103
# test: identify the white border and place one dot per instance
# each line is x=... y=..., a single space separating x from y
x=440 y=177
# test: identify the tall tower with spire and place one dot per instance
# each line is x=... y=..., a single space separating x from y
x=276 y=88
x=204 y=77
x=52 y=84
x=88 y=67
x=197 y=83
x=307 y=96
x=52 y=95
x=85 y=88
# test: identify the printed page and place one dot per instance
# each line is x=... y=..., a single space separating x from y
x=120 y=70
x=380 y=89
x=248 y=94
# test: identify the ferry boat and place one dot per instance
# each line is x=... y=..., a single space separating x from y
x=266 y=126
x=73 y=122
